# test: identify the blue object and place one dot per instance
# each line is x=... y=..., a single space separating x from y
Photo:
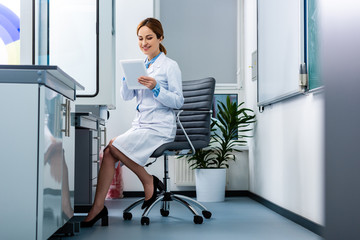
x=9 y=25
x=147 y=62
x=156 y=89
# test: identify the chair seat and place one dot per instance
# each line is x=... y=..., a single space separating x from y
x=175 y=146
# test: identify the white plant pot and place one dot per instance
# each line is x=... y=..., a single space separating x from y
x=210 y=184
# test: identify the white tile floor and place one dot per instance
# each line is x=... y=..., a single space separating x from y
x=235 y=218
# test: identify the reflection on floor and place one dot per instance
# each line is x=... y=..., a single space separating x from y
x=235 y=218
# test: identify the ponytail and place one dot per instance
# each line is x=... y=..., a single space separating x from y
x=163 y=49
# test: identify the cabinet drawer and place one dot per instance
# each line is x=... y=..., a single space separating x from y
x=94 y=182
x=95 y=142
x=94 y=158
x=94 y=148
x=94 y=170
x=93 y=191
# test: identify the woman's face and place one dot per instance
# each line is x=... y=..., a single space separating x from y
x=148 y=43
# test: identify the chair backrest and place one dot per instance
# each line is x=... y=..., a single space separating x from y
x=195 y=118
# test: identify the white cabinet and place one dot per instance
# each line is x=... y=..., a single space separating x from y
x=37 y=151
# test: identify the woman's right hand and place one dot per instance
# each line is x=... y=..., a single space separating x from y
x=149 y=82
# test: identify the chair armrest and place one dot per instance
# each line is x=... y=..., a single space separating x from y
x=182 y=128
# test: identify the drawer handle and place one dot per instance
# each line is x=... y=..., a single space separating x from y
x=67 y=110
x=105 y=141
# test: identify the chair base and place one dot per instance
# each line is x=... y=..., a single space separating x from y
x=166 y=198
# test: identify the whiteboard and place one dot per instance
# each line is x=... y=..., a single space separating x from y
x=280 y=50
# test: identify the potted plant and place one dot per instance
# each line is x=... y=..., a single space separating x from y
x=210 y=164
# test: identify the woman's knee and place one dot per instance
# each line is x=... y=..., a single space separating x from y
x=107 y=149
x=114 y=151
x=111 y=141
x=108 y=156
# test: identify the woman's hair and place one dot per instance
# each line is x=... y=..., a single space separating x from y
x=156 y=27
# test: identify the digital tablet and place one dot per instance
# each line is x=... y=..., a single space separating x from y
x=132 y=70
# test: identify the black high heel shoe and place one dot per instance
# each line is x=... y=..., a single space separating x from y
x=103 y=214
x=157 y=185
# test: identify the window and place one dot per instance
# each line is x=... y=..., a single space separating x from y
x=69 y=39
x=222 y=99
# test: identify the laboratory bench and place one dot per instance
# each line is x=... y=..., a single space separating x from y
x=37 y=150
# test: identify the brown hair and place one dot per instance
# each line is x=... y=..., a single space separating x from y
x=156 y=27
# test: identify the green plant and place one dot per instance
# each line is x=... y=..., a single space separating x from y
x=200 y=159
x=232 y=121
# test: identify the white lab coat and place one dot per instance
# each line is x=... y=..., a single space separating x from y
x=155 y=122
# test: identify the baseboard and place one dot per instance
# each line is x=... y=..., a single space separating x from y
x=237 y=193
x=304 y=222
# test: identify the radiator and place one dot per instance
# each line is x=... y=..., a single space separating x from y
x=184 y=176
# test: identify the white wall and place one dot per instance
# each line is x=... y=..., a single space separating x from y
x=286 y=156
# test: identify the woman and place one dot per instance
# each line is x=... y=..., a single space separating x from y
x=153 y=125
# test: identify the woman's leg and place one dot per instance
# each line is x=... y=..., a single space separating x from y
x=106 y=174
x=145 y=178
x=105 y=177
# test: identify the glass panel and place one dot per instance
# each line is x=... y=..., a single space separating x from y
x=43 y=54
x=9 y=31
x=313 y=45
x=73 y=40
x=221 y=98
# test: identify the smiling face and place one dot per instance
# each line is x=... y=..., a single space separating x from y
x=148 y=42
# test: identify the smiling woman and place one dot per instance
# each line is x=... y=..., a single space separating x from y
x=154 y=123
x=150 y=32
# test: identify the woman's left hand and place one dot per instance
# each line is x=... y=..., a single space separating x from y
x=149 y=82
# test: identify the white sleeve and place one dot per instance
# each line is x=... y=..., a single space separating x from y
x=126 y=93
x=173 y=97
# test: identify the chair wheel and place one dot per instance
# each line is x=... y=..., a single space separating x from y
x=198 y=219
x=164 y=213
x=127 y=215
x=145 y=220
x=206 y=214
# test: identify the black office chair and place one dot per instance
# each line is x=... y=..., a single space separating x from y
x=193 y=132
